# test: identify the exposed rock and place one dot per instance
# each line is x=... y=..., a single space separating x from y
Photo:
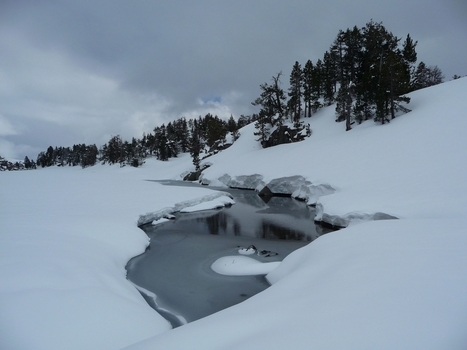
x=286 y=134
x=219 y=145
x=195 y=175
x=192 y=176
x=248 y=182
x=294 y=186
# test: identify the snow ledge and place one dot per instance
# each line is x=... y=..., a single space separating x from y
x=219 y=199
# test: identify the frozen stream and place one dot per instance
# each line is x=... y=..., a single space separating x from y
x=177 y=266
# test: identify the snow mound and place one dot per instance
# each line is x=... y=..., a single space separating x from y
x=242 y=266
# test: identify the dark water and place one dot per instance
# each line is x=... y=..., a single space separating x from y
x=177 y=265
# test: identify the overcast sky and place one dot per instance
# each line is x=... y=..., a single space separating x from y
x=82 y=71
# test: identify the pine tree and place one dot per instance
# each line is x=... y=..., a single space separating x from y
x=344 y=104
x=308 y=74
x=316 y=85
x=195 y=146
x=162 y=153
x=329 y=78
x=296 y=93
x=262 y=127
x=27 y=163
x=272 y=101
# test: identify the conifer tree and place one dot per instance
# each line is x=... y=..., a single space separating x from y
x=308 y=74
x=296 y=93
x=329 y=78
x=316 y=85
x=195 y=145
x=272 y=101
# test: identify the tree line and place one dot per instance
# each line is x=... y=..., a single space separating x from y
x=203 y=134
x=366 y=72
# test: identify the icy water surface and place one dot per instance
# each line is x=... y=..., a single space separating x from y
x=177 y=265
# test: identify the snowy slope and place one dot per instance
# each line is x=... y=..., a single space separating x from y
x=66 y=235
x=413 y=167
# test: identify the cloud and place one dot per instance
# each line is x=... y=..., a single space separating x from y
x=6 y=128
x=95 y=69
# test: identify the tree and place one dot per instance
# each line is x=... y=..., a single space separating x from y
x=316 y=85
x=272 y=101
x=161 y=137
x=296 y=93
x=231 y=124
x=344 y=104
x=262 y=127
x=195 y=146
x=89 y=156
x=113 y=150
x=426 y=76
x=308 y=74
x=27 y=162
x=329 y=79
x=435 y=76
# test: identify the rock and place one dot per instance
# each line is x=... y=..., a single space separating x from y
x=286 y=134
x=195 y=175
x=247 y=182
x=192 y=176
x=265 y=192
x=287 y=186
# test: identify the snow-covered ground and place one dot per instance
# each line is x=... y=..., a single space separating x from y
x=66 y=235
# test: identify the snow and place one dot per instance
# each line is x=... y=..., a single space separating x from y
x=247 y=251
x=219 y=202
x=66 y=235
x=210 y=201
x=239 y=265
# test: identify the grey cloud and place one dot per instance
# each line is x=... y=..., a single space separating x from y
x=106 y=65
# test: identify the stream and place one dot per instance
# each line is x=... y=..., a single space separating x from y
x=174 y=275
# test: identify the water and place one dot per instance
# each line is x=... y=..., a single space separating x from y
x=177 y=265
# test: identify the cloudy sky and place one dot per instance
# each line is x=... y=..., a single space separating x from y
x=82 y=71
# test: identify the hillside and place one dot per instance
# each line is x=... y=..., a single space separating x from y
x=67 y=234
x=413 y=167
